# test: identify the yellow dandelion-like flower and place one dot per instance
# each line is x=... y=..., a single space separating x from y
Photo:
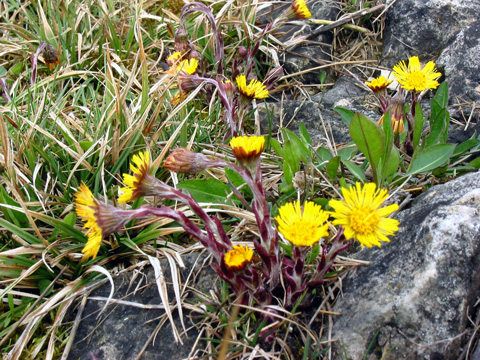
x=302 y=227
x=254 y=90
x=379 y=84
x=238 y=258
x=361 y=214
x=247 y=147
x=414 y=77
x=172 y=59
x=140 y=166
x=87 y=207
x=188 y=66
x=299 y=10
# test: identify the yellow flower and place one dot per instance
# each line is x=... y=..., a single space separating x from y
x=414 y=77
x=302 y=227
x=238 y=258
x=186 y=66
x=172 y=59
x=378 y=84
x=247 y=147
x=298 y=10
x=140 y=167
x=362 y=216
x=87 y=207
x=254 y=90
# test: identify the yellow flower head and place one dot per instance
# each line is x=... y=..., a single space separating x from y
x=247 y=147
x=185 y=66
x=254 y=90
x=238 y=258
x=87 y=208
x=298 y=10
x=172 y=59
x=361 y=215
x=414 y=77
x=140 y=167
x=379 y=84
x=302 y=227
x=100 y=220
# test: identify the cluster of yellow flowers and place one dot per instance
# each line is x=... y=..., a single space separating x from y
x=360 y=213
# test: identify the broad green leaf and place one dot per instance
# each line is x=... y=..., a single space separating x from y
x=207 y=190
x=475 y=163
x=431 y=158
x=347 y=153
x=438 y=127
x=418 y=126
x=287 y=172
x=441 y=97
x=324 y=154
x=238 y=182
x=465 y=146
x=391 y=166
x=332 y=167
x=346 y=115
x=3 y=71
x=291 y=155
x=297 y=144
x=276 y=146
x=355 y=170
x=304 y=135
x=369 y=138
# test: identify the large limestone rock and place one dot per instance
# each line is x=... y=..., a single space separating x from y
x=419 y=289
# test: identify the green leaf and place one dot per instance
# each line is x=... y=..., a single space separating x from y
x=355 y=170
x=238 y=182
x=347 y=153
x=431 y=158
x=292 y=156
x=369 y=137
x=346 y=115
x=391 y=166
x=277 y=147
x=332 y=167
x=287 y=172
x=304 y=135
x=441 y=98
x=465 y=146
x=207 y=190
x=418 y=126
x=324 y=154
x=3 y=71
x=300 y=149
x=475 y=163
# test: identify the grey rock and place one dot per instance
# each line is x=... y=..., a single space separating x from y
x=317 y=49
x=121 y=331
x=318 y=115
x=418 y=289
x=461 y=65
x=423 y=27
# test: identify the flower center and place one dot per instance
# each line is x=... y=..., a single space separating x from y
x=417 y=80
x=364 y=220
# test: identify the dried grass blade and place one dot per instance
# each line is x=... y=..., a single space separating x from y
x=176 y=283
x=96 y=268
x=162 y=289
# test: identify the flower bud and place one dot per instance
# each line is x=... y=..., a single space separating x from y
x=184 y=161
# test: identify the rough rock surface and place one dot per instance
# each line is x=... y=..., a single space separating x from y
x=418 y=289
x=121 y=331
x=315 y=50
x=347 y=93
x=423 y=27
x=463 y=72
